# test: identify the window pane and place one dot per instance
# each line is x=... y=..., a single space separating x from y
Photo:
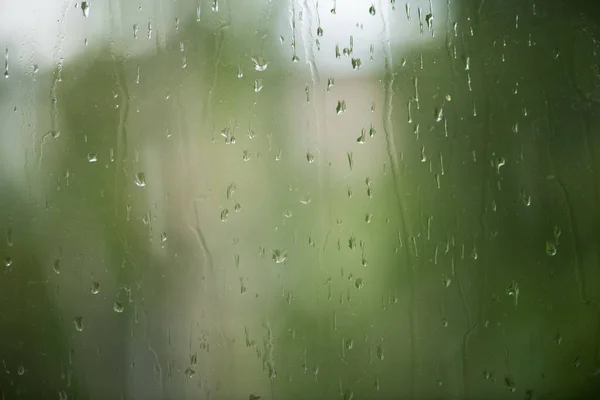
x=232 y=199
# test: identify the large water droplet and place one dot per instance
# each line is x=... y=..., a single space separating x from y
x=550 y=248
x=85 y=8
x=260 y=64
x=359 y=283
x=224 y=215
x=380 y=354
x=56 y=266
x=279 y=256
x=78 y=322
x=118 y=307
x=140 y=179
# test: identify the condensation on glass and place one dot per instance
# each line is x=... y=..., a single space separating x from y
x=280 y=199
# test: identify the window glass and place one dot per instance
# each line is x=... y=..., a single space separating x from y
x=233 y=199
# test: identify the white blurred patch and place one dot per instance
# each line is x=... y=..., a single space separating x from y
x=348 y=37
x=43 y=32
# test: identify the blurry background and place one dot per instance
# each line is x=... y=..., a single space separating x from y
x=230 y=199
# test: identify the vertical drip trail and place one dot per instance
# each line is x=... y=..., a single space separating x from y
x=392 y=152
x=320 y=131
x=121 y=81
x=54 y=120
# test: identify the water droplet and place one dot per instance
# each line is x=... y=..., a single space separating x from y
x=78 y=322
x=513 y=290
x=163 y=237
x=341 y=106
x=310 y=158
x=8 y=262
x=439 y=114
x=62 y=395
x=349 y=344
x=372 y=131
x=118 y=307
x=558 y=338
x=369 y=218
x=140 y=179
x=319 y=31
x=330 y=83
x=510 y=384
x=362 y=138
x=237 y=208
x=359 y=283
x=352 y=242
x=56 y=266
x=306 y=200
x=429 y=21
x=189 y=372
x=500 y=162
x=231 y=190
x=447 y=281
x=525 y=198
x=279 y=256
x=21 y=370
x=85 y=8
x=356 y=63
x=92 y=157
x=260 y=64
x=95 y=288
x=550 y=248
x=6 y=74
x=380 y=354
x=224 y=215
x=372 y=10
